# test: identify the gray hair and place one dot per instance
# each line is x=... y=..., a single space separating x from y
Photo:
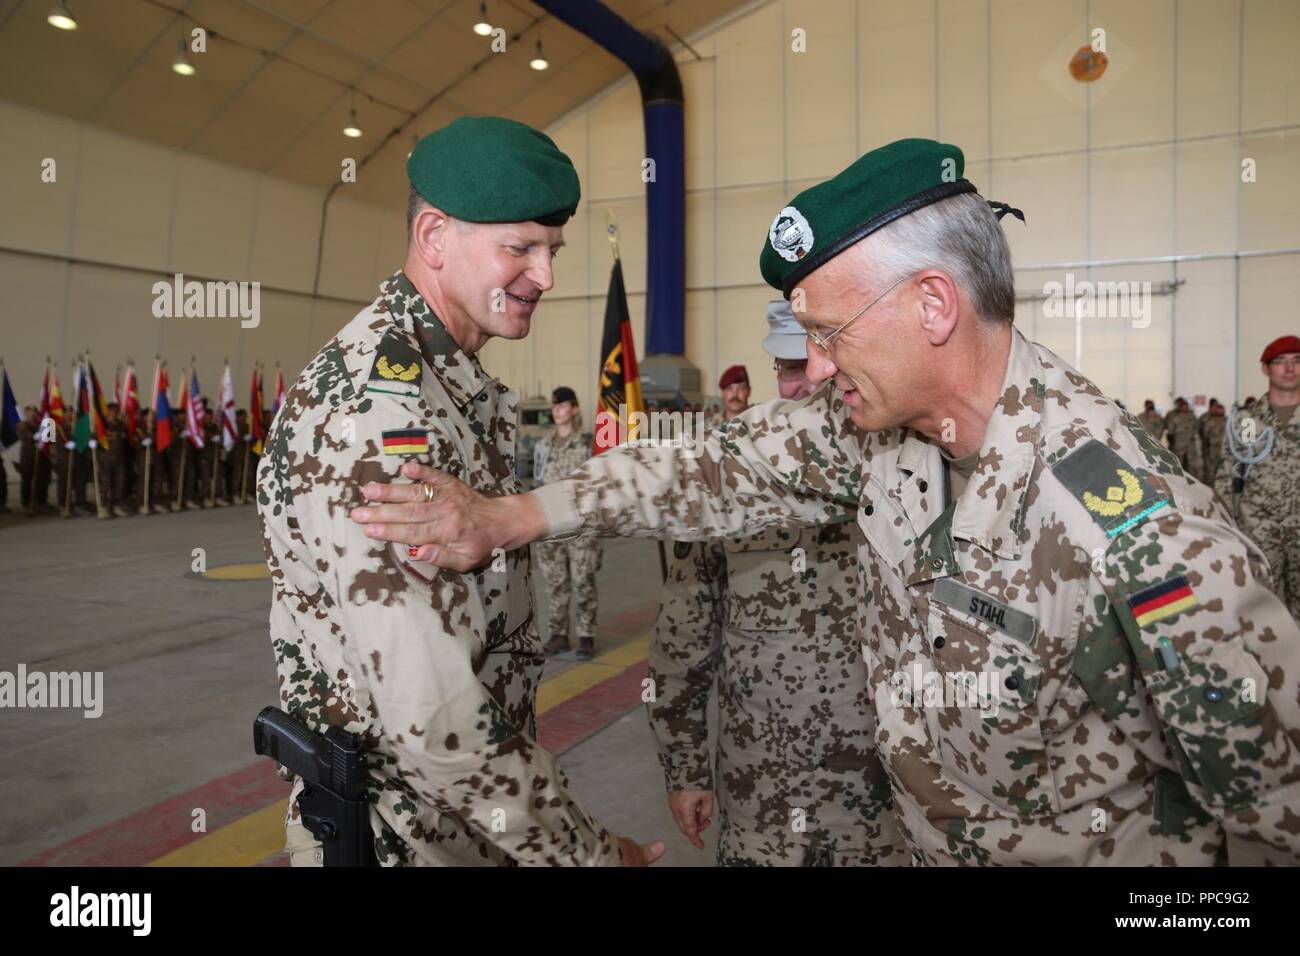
x=415 y=203
x=959 y=235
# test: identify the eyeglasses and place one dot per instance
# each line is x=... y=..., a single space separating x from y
x=785 y=368
x=825 y=343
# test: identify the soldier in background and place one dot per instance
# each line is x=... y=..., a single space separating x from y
x=569 y=566
x=154 y=474
x=1211 y=428
x=211 y=464
x=28 y=431
x=771 y=619
x=1184 y=439
x=1152 y=420
x=112 y=465
x=235 y=462
x=1260 y=469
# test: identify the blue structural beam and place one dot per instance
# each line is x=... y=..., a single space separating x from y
x=665 y=136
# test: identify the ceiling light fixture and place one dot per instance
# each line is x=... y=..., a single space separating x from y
x=61 y=17
x=182 y=64
x=482 y=28
x=353 y=129
x=538 y=62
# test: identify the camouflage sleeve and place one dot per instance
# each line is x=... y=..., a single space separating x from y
x=1220 y=658
x=789 y=463
x=683 y=661
x=414 y=633
x=1223 y=476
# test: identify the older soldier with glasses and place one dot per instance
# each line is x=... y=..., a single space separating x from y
x=1074 y=654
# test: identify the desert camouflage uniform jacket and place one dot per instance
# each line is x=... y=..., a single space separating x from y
x=437 y=671
x=775 y=618
x=1077 y=548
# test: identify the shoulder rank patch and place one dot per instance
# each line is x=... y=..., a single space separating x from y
x=681 y=550
x=1113 y=491
x=1162 y=600
x=397 y=365
x=406 y=441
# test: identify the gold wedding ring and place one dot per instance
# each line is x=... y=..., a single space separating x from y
x=428 y=493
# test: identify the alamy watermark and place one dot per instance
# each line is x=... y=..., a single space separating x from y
x=191 y=299
x=83 y=690
x=657 y=429
x=979 y=690
x=1098 y=300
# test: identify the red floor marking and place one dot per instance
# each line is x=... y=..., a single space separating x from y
x=156 y=831
x=590 y=712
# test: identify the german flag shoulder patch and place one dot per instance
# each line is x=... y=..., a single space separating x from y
x=406 y=441
x=1162 y=600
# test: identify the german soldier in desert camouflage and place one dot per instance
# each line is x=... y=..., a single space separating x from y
x=1259 y=473
x=569 y=566
x=773 y=620
x=1074 y=654
x=437 y=671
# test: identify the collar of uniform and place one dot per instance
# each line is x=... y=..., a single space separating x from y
x=460 y=374
x=990 y=510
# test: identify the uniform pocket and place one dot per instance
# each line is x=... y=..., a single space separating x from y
x=989 y=725
x=762 y=583
x=1219 y=731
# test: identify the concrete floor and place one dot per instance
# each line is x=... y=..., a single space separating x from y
x=187 y=665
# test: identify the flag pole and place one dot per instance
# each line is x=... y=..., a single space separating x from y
x=36 y=463
x=180 y=475
x=153 y=431
x=68 y=452
x=216 y=450
x=248 y=446
x=94 y=448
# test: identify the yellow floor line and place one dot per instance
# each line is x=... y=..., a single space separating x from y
x=246 y=842
x=251 y=839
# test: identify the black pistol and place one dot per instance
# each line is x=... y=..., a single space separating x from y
x=333 y=802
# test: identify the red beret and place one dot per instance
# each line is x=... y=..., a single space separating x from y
x=1287 y=343
x=733 y=376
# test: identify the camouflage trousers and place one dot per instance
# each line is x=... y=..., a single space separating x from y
x=569 y=568
x=740 y=846
x=1280 y=542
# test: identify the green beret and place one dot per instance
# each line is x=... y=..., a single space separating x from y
x=490 y=169
x=885 y=184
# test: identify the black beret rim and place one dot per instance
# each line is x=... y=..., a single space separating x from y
x=924 y=198
x=557 y=218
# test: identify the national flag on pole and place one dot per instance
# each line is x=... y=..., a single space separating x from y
x=279 y=393
x=99 y=408
x=195 y=415
x=57 y=412
x=117 y=386
x=43 y=414
x=226 y=411
x=8 y=416
x=83 y=408
x=618 y=392
x=162 y=411
x=255 y=414
x=129 y=406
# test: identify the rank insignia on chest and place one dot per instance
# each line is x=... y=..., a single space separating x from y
x=1162 y=600
x=406 y=441
x=397 y=369
x=1114 y=493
